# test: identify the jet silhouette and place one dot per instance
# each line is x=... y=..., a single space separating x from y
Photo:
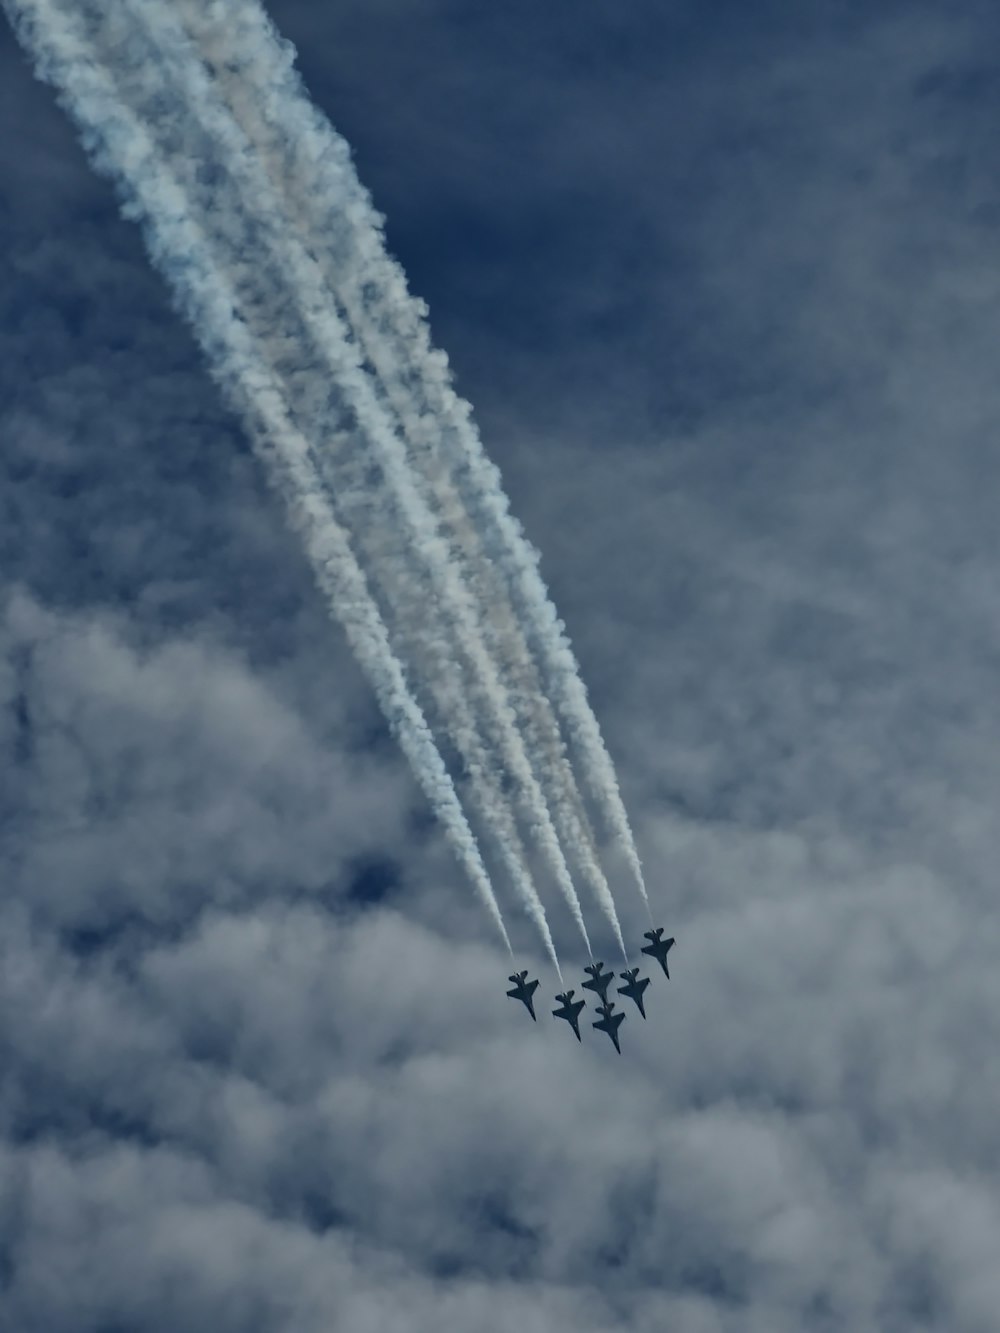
x=599 y=982
x=523 y=991
x=635 y=985
x=610 y=1022
x=570 y=1010
x=658 y=948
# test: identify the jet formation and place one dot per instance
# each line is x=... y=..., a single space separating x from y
x=598 y=982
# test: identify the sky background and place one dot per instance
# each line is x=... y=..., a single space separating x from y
x=722 y=285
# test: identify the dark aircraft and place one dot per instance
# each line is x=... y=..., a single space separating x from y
x=570 y=1011
x=658 y=948
x=523 y=991
x=634 y=987
x=610 y=1022
x=598 y=982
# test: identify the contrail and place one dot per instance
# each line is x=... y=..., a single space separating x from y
x=119 y=146
x=292 y=265
x=333 y=212
x=273 y=313
x=230 y=39
x=442 y=680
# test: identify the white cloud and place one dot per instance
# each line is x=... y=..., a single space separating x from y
x=227 y=1106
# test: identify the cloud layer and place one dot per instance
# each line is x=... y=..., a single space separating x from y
x=731 y=335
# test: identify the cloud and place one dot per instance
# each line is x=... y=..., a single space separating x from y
x=151 y=781
x=236 y=1097
x=773 y=1142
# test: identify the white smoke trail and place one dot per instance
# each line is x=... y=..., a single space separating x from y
x=288 y=264
x=330 y=208
x=488 y=614
x=442 y=679
x=119 y=145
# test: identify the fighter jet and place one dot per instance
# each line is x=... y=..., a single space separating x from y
x=610 y=1022
x=658 y=947
x=570 y=1010
x=634 y=987
x=598 y=982
x=523 y=991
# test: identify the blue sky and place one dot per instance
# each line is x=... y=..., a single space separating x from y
x=722 y=289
